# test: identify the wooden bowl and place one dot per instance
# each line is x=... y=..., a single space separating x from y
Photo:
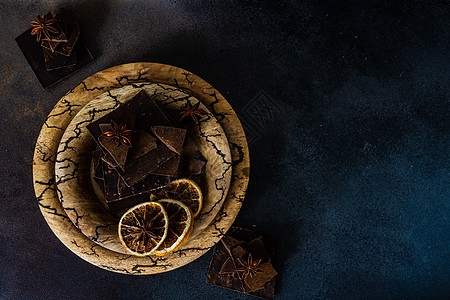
x=66 y=109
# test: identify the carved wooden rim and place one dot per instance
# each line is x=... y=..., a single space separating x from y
x=66 y=109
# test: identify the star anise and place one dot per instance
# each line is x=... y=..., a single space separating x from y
x=119 y=132
x=192 y=112
x=43 y=26
x=249 y=267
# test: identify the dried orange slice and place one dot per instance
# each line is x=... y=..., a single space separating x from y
x=184 y=190
x=180 y=226
x=143 y=228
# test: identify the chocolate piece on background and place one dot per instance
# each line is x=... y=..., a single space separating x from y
x=50 y=45
x=53 y=45
x=138 y=169
x=238 y=252
x=118 y=208
x=143 y=142
x=259 y=281
x=96 y=160
x=32 y=51
x=246 y=235
x=228 y=267
x=107 y=158
x=150 y=114
x=56 y=37
x=115 y=149
x=116 y=191
x=98 y=167
x=148 y=184
x=230 y=241
x=54 y=61
x=169 y=168
x=191 y=165
x=113 y=145
x=257 y=249
x=104 y=127
x=70 y=24
x=172 y=137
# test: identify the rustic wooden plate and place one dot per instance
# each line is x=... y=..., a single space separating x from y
x=72 y=168
x=66 y=109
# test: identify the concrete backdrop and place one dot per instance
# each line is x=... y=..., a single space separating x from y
x=349 y=150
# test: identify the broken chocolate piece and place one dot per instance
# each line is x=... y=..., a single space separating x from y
x=190 y=165
x=169 y=168
x=50 y=45
x=148 y=184
x=238 y=252
x=118 y=208
x=172 y=137
x=150 y=113
x=117 y=151
x=228 y=268
x=138 y=169
x=107 y=158
x=257 y=249
x=98 y=167
x=147 y=114
x=115 y=190
x=143 y=142
x=55 y=61
x=96 y=160
x=72 y=31
x=112 y=144
x=230 y=241
x=56 y=37
x=258 y=282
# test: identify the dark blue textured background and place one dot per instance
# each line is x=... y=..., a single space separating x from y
x=352 y=175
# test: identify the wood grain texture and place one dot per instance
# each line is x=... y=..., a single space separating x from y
x=136 y=74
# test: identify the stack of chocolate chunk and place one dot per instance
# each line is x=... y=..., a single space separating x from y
x=57 y=34
x=139 y=151
x=242 y=261
x=53 y=46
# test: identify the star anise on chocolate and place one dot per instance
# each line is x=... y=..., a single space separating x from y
x=249 y=267
x=119 y=132
x=192 y=112
x=44 y=25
